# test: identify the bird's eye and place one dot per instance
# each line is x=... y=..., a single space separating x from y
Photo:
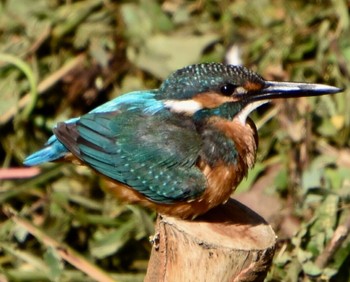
x=228 y=89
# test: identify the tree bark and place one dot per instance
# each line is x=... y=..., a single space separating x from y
x=229 y=243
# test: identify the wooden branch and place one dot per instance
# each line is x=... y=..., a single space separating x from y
x=229 y=243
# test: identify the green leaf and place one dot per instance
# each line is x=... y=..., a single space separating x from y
x=8 y=92
x=162 y=54
x=143 y=20
x=107 y=243
x=311 y=269
x=54 y=263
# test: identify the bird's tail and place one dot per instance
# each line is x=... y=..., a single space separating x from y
x=53 y=151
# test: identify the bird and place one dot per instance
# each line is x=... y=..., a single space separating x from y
x=181 y=149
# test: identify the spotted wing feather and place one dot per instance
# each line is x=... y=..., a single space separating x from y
x=152 y=154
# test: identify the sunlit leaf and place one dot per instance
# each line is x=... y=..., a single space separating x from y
x=54 y=262
x=107 y=243
x=163 y=54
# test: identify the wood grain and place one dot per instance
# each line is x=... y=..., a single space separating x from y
x=229 y=243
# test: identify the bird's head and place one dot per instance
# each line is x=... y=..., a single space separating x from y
x=228 y=90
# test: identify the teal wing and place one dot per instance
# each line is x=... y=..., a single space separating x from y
x=153 y=154
x=55 y=150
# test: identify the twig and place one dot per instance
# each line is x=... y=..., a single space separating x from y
x=339 y=236
x=18 y=173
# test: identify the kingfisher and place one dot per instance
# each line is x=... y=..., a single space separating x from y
x=181 y=149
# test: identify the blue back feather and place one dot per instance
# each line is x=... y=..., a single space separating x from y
x=144 y=100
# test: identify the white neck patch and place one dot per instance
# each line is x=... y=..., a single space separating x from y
x=185 y=107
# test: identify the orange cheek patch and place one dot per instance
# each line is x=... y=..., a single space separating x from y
x=212 y=99
x=252 y=86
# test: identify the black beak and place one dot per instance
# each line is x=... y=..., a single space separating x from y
x=274 y=89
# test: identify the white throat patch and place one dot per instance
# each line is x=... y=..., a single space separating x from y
x=243 y=115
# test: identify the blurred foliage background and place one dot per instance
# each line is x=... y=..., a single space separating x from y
x=59 y=59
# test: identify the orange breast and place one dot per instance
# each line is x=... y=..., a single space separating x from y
x=221 y=181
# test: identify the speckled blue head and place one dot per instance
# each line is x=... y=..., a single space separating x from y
x=208 y=89
x=189 y=81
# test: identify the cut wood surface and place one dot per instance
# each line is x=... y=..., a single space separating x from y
x=229 y=243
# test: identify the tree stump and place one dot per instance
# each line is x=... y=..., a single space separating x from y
x=229 y=243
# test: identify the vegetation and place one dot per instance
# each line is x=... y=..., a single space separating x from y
x=59 y=59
